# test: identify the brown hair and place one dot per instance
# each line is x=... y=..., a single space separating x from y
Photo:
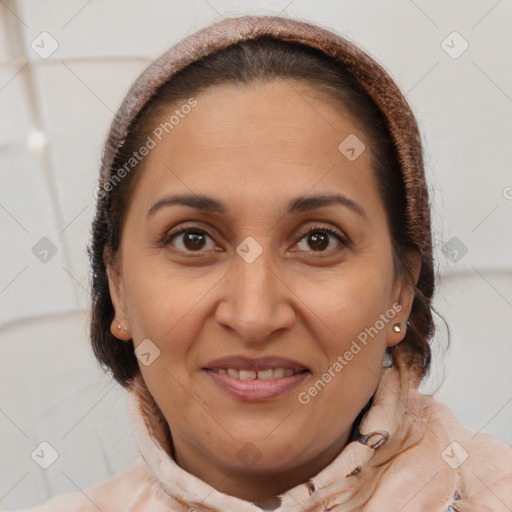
x=249 y=62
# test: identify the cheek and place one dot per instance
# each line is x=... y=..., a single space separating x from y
x=163 y=308
x=347 y=312
x=159 y=301
x=346 y=302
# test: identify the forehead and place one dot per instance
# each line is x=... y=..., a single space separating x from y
x=278 y=139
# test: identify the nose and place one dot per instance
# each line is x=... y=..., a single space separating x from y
x=256 y=301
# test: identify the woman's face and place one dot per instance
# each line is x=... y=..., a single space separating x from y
x=260 y=278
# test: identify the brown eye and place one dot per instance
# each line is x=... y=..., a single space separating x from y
x=319 y=238
x=192 y=239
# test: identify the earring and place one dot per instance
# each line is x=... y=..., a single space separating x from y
x=397 y=328
x=119 y=327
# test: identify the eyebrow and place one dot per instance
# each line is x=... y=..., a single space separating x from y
x=295 y=206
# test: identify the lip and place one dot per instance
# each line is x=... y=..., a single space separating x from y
x=256 y=389
x=262 y=363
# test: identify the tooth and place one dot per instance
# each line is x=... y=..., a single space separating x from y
x=247 y=374
x=266 y=374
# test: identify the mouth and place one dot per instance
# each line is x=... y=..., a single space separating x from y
x=256 y=379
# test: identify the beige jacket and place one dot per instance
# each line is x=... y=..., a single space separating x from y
x=416 y=457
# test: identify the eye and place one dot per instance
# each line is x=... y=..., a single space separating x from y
x=192 y=238
x=318 y=238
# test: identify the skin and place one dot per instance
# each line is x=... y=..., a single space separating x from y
x=255 y=148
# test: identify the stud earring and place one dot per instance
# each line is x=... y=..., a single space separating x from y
x=119 y=327
x=397 y=328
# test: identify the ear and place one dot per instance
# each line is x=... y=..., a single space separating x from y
x=403 y=294
x=115 y=284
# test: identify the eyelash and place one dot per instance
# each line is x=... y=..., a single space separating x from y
x=169 y=236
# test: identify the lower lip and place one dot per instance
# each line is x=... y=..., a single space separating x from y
x=256 y=389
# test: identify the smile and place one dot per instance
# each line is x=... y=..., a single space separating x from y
x=270 y=373
x=251 y=385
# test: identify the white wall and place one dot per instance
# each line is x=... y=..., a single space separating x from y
x=54 y=115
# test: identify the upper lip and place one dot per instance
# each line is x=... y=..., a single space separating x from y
x=262 y=363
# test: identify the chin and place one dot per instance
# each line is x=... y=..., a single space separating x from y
x=261 y=454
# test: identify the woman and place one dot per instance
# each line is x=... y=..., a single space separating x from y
x=262 y=285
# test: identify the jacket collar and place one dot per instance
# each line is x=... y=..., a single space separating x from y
x=393 y=422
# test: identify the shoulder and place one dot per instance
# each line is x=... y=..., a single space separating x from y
x=482 y=448
x=482 y=462
x=452 y=467
x=113 y=495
